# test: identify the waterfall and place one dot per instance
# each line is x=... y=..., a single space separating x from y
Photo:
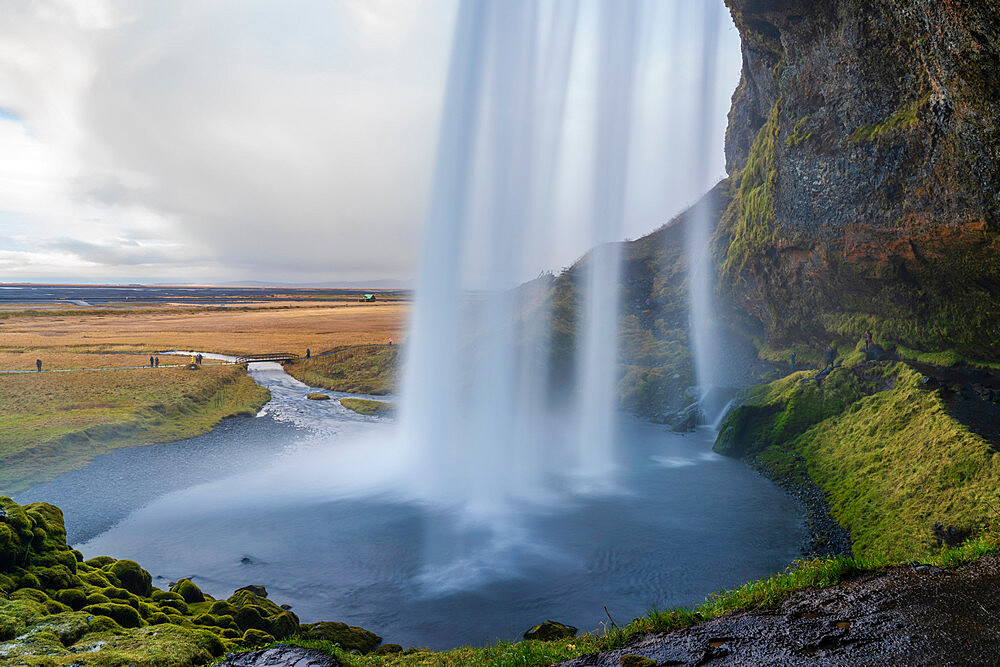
x=476 y=418
x=704 y=344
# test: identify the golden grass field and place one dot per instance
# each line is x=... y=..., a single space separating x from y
x=233 y=331
x=52 y=422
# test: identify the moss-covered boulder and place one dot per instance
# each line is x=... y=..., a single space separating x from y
x=122 y=614
x=188 y=590
x=349 y=637
x=133 y=578
x=255 y=612
x=253 y=637
x=550 y=631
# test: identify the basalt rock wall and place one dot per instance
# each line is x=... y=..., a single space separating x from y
x=864 y=145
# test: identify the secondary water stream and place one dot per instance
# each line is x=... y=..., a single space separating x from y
x=309 y=500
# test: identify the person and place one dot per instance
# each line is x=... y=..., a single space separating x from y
x=791 y=360
x=868 y=339
x=390 y=340
x=151 y=361
x=831 y=356
x=157 y=361
x=308 y=353
x=198 y=359
x=38 y=365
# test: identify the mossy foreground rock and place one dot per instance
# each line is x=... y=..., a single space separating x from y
x=56 y=609
x=350 y=637
x=550 y=630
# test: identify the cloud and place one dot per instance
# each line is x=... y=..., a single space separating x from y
x=288 y=141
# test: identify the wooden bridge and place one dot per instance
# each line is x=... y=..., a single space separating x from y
x=274 y=356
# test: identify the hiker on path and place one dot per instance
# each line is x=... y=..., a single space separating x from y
x=831 y=356
x=868 y=339
x=308 y=353
x=198 y=359
x=390 y=341
x=157 y=361
x=38 y=365
x=791 y=360
x=151 y=361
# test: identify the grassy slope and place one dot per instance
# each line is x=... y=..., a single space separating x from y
x=891 y=458
x=365 y=370
x=54 y=422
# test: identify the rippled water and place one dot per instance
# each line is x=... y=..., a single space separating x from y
x=303 y=500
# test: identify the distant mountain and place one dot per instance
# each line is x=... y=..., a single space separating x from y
x=385 y=284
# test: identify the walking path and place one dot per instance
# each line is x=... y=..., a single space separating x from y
x=335 y=350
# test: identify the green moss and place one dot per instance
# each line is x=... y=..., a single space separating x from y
x=799 y=134
x=255 y=637
x=905 y=119
x=756 y=223
x=122 y=614
x=891 y=459
x=348 y=637
x=30 y=594
x=188 y=590
x=133 y=578
x=366 y=407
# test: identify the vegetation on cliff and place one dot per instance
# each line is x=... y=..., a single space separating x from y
x=865 y=133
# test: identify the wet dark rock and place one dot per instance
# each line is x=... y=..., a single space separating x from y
x=951 y=536
x=875 y=177
x=899 y=616
x=246 y=560
x=256 y=589
x=280 y=656
x=550 y=630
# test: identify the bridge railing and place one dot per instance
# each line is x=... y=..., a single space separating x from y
x=273 y=356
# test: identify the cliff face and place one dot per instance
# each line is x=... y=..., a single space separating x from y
x=864 y=142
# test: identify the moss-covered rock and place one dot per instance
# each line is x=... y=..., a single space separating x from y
x=349 y=637
x=132 y=577
x=30 y=594
x=253 y=637
x=122 y=614
x=188 y=590
x=253 y=611
x=550 y=631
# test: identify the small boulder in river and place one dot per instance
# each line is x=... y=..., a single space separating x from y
x=549 y=631
x=316 y=396
x=256 y=589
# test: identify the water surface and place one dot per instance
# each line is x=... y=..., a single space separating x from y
x=303 y=500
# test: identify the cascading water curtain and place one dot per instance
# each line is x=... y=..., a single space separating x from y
x=538 y=95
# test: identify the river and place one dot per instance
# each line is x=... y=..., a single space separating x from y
x=308 y=500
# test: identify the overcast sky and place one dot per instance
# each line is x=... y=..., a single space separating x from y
x=212 y=141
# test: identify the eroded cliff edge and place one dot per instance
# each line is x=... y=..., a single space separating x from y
x=864 y=148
